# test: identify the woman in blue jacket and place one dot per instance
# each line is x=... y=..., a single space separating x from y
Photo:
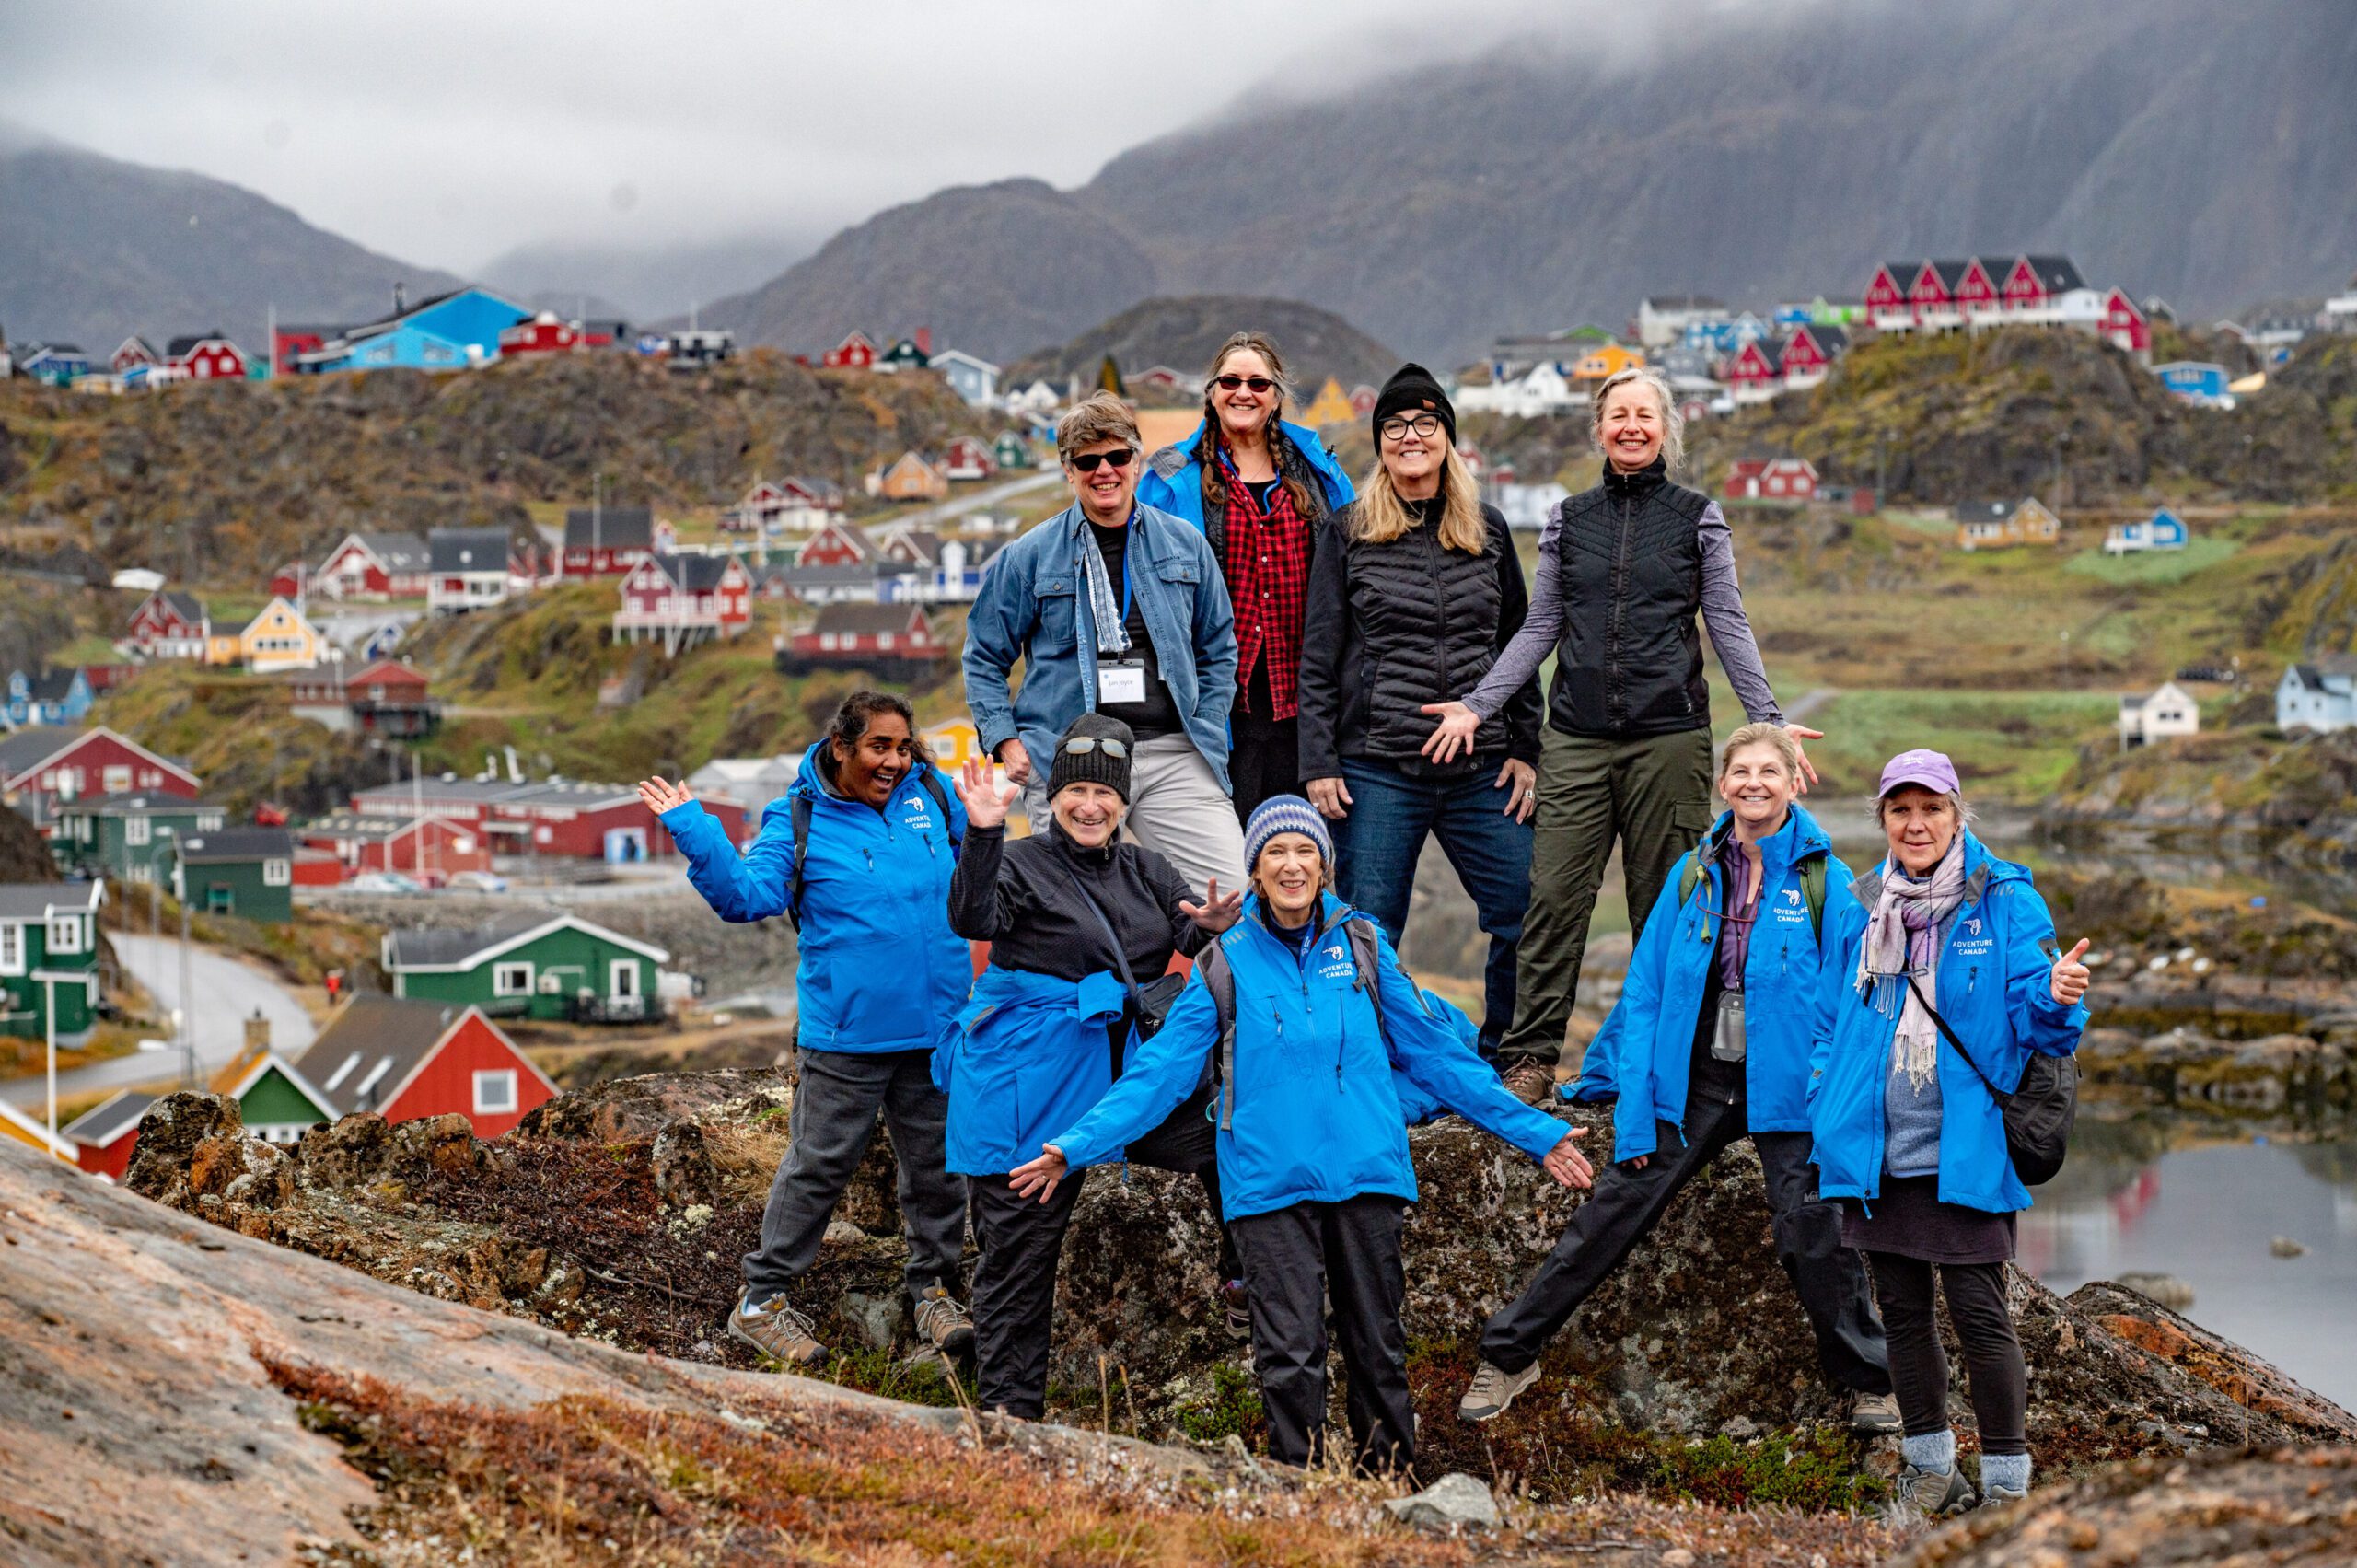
x=1312 y=1143
x=878 y=976
x=1259 y=489
x=1940 y=951
x=1709 y=1044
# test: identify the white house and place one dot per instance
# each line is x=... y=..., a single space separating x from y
x=2163 y=530
x=1035 y=401
x=751 y=782
x=1545 y=389
x=1663 y=320
x=467 y=569
x=2165 y=712
x=975 y=380
x=1525 y=506
x=2318 y=694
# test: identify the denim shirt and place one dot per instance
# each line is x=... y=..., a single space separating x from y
x=1034 y=606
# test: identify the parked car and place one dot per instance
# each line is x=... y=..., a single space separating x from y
x=478 y=882
x=391 y=882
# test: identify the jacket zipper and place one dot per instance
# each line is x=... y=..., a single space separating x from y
x=1614 y=697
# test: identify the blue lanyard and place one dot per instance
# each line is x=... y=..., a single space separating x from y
x=1129 y=546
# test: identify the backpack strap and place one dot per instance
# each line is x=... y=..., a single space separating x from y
x=2000 y=1096
x=1813 y=892
x=1367 y=959
x=931 y=779
x=799 y=806
x=1220 y=981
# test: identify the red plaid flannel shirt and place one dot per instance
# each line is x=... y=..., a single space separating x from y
x=1267 y=564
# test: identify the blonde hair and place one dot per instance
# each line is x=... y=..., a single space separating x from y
x=1379 y=516
x=1761 y=733
x=1673 y=422
x=1100 y=416
x=1207 y=450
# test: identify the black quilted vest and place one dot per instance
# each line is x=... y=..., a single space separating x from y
x=1424 y=628
x=1629 y=569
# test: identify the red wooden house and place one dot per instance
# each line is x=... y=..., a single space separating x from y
x=427 y=846
x=2124 y=325
x=40 y=767
x=403 y=1059
x=837 y=544
x=1807 y=353
x=854 y=353
x=169 y=624
x=134 y=350
x=543 y=333
x=967 y=458
x=890 y=639
x=2035 y=282
x=1756 y=373
x=560 y=817
x=606 y=541
x=680 y=601
x=1790 y=480
x=207 y=356
x=376 y=565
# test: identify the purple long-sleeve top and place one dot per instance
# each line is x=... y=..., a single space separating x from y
x=1723 y=618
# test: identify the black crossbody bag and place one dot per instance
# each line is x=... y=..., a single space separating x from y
x=1151 y=1003
x=2038 y=1115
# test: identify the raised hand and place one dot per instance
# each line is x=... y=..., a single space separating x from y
x=1332 y=796
x=1800 y=732
x=1520 y=781
x=1454 y=734
x=1038 y=1176
x=1215 y=913
x=1566 y=1164
x=662 y=795
x=2070 y=977
x=985 y=805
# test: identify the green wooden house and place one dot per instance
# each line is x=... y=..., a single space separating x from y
x=542 y=963
x=248 y=872
x=276 y=1103
x=128 y=837
x=48 y=957
x=1012 y=451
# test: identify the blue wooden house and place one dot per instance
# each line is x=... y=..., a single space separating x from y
x=2196 y=381
x=449 y=332
x=47 y=697
x=2163 y=530
x=58 y=364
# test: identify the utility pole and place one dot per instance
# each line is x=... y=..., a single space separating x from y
x=49 y=1028
x=186 y=1009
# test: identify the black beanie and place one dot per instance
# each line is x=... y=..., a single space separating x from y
x=1411 y=387
x=1095 y=765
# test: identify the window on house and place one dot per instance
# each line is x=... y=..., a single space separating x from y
x=495 y=1092
x=208 y=822
x=621 y=978
x=142 y=872
x=115 y=779
x=65 y=934
x=511 y=979
x=12 y=949
x=137 y=831
x=276 y=873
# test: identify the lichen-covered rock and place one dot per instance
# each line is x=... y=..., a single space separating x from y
x=624 y=1110
x=682 y=1167
x=170 y=1132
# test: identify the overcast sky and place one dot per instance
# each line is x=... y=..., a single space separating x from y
x=448 y=130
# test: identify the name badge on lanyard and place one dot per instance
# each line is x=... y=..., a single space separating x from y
x=1121 y=680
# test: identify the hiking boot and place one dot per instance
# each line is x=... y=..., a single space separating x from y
x=1533 y=1083
x=1492 y=1390
x=777 y=1331
x=942 y=1321
x=1936 y=1495
x=1235 y=1309
x=1876 y=1415
x=1997 y=1494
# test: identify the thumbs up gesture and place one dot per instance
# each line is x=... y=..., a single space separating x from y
x=2070 y=977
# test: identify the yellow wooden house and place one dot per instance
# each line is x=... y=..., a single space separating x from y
x=1330 y=407
x=32 y=1132
x=911 y=478
x=1603 y=362
x=280 y=638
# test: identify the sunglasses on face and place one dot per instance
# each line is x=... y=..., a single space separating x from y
x=1082 y=745
x=1230 y=383
x=1086 y=461
x=1425 y=425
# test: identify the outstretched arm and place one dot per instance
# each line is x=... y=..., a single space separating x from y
x=740 y=888
x=1161 y=1073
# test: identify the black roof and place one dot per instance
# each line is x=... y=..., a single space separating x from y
x=1985 y=511
x=1829 y=338
x=22 y=749
x=51 y=685
x=220 y=844
x=2057 y=272
x=103 y=1124
x=139 y=803
x=179 y=346
x=188 y=607
x=695 y=574
x=614 y=527
x=467 y=550
x=369 y=1047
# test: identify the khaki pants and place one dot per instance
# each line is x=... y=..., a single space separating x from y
x=1177 y=809
x=1652 y=796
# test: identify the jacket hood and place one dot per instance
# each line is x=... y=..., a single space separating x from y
x=1181 y=453
x=811 y=781
x=1799 y=838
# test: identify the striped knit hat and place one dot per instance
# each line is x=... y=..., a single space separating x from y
x=1285 y=814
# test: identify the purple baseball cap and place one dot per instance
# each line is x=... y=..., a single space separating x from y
x=1931 y=769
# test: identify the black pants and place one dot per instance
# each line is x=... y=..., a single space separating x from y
x=1263 y=755
x=1021 y=1240
x=1919 y=1367
x=1830 y=1278
x=1294 y=1258
x=836 y=1097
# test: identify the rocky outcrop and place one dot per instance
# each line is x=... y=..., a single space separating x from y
x=606 y=1224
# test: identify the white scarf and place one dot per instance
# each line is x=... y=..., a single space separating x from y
x=1900 y=941
x=1112 y=631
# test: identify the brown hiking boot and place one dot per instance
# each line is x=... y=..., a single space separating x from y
x=1235 y=1309
x=942 y=1322
x=1876 y=1415
x=1934 y=1494
x=1492 y=1390
x=777 y=1331
x=1533 y=1083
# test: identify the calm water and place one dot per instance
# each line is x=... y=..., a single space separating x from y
x=2153 y=1196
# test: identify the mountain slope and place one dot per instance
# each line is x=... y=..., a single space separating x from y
x=1765 y=153
x=1184 y=333
x=995 y=270
x=93 y=249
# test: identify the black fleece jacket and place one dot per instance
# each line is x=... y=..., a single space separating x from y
x=1020 y=897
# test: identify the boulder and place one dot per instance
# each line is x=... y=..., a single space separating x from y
x=1454 y=1501
x=624 y=1110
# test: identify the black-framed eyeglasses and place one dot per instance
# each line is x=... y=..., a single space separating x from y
x=1086 y=461
x=1082 y=745
x=1425 y=425
x=1230 y=383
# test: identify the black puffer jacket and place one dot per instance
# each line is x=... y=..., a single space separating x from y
x=1629 y=574
x=1391 y=627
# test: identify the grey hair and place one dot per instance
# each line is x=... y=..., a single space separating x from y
x=1100 y=416
x=1673 y=422
x=1965 y=814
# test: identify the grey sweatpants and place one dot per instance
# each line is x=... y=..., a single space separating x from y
x=832 y=1120
x=1177 y=809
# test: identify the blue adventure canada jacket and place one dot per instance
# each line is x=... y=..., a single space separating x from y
x=1645 y=1050
x=1317 y=1118
x=1173 y=480
x=1994 y=988
x=1033 y=605
x=1029 y=1053
x=878 y=967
